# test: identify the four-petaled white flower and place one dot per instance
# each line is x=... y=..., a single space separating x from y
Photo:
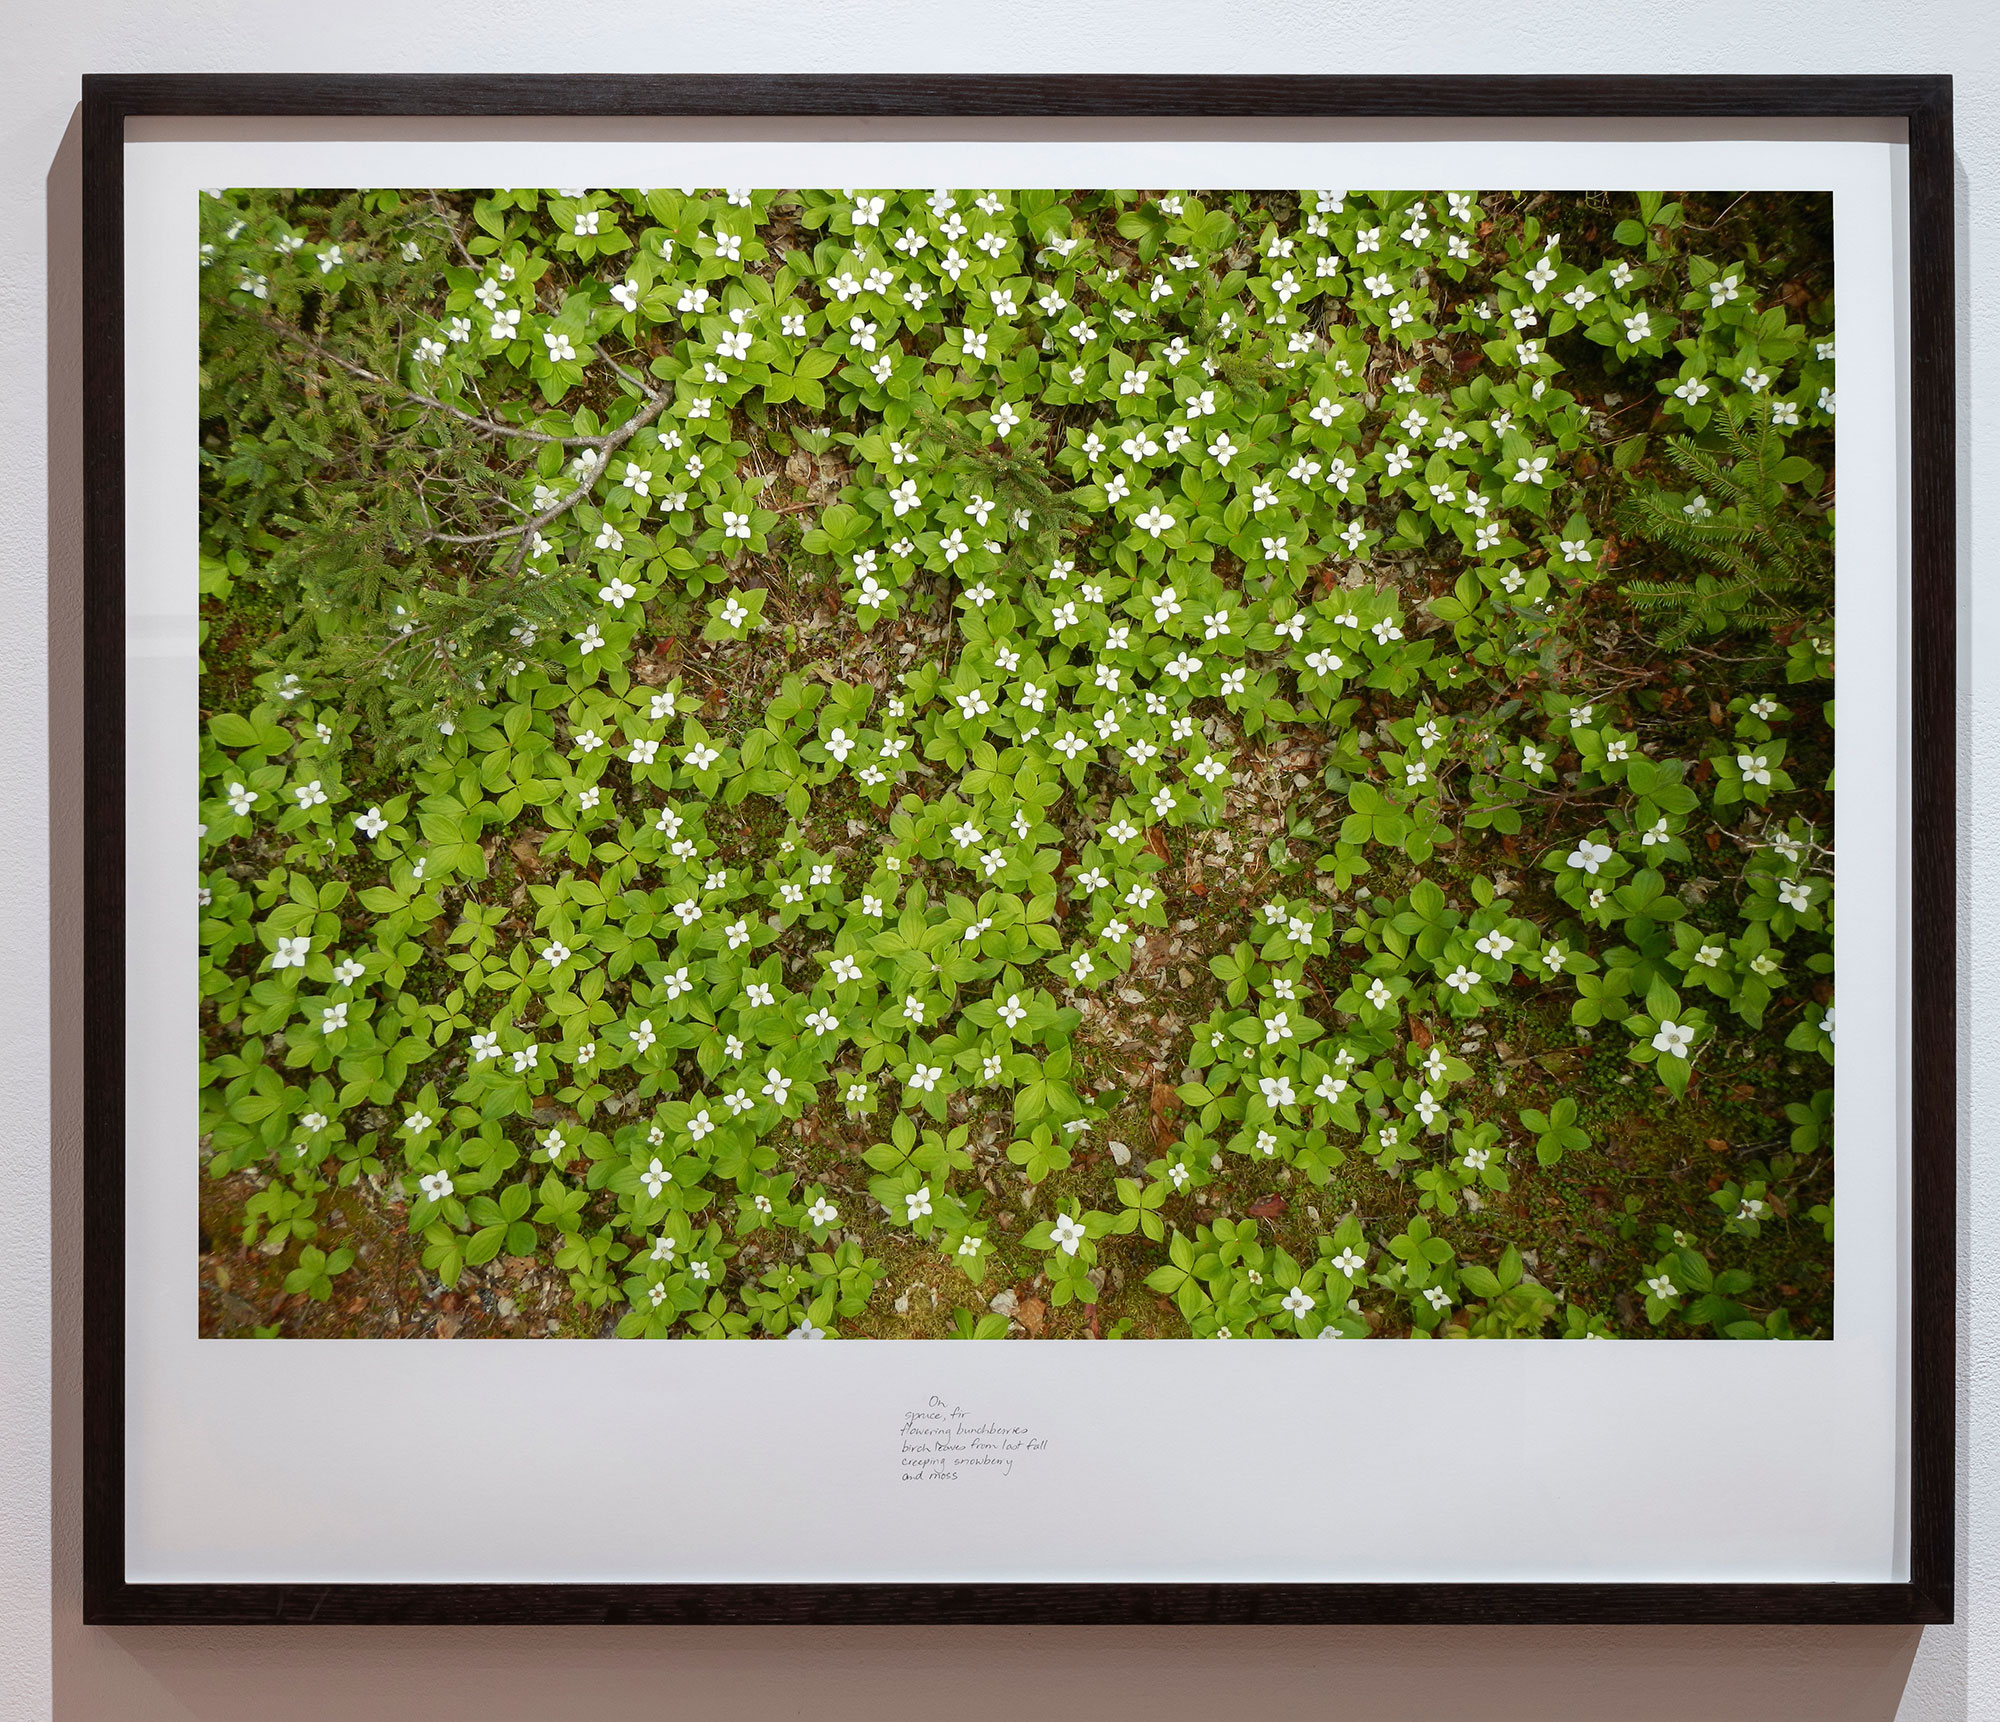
x=435 y=1185
x=1588 y=856
x=916 y=1204
x=1066 y=1233
x=1673 y=1039
x=1662 y=1287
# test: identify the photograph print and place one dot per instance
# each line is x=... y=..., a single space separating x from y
x=1016 y=764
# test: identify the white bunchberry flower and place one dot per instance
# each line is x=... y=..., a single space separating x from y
x=1673 y=1039
x=1588 y=856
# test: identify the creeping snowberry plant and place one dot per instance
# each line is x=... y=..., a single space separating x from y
x=982 y=763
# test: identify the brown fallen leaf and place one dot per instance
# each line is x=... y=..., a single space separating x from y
x=1420 y=1031
x=1164 y=1104
x=1269 y=1208
x=1717 y=1144
x=1156 y=840
x=447 y=1327
x=1033 y=1314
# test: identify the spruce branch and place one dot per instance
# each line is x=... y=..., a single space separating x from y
x=491 y=427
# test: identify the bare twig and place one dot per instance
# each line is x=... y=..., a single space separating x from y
x=451 y=227
x=637 y=382
x=656 y=403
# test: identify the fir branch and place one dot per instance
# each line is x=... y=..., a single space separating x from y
x=491 y=427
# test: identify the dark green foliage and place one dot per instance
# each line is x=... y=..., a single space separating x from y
x=1753 y=522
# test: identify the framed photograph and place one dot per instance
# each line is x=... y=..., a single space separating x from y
x=1182 y=716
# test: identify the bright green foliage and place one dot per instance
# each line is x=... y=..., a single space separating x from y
x=1063 y=517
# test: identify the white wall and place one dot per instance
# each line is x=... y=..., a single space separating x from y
x=50 y=1665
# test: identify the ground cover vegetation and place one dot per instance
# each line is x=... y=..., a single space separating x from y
x=1001 y=763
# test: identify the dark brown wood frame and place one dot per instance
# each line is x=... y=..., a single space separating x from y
x=1922 y=103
